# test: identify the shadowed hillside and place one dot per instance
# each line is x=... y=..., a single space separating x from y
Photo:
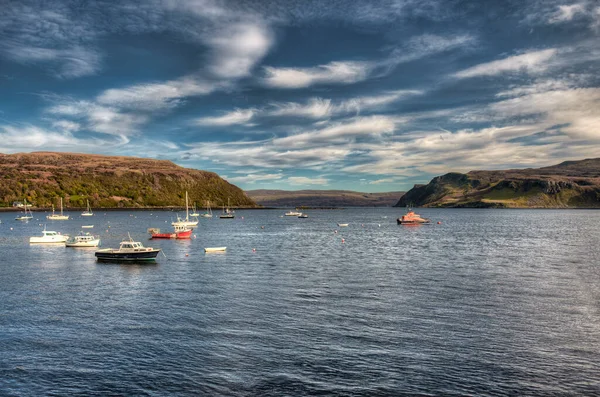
x=109 y=181
x=572 y=184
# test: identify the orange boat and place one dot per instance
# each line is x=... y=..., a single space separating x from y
x=412 y=219
x=180 y=233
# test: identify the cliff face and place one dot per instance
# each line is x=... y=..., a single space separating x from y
x=109 y=181
x=572 y=184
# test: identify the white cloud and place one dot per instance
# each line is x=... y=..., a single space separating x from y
x=317 y=108
x=156 y=96
x=238 y=116
x=237 y=49
x=302 y=180
x=383 y=180
x=529 y=62
x=66 y=125
x=346 y=72
x=418 y=47
x=566 y=13
x=70 y=62
x=253 y=178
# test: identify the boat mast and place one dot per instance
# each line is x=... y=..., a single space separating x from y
x=187 y=216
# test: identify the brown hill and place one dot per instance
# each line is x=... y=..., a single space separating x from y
x=572 y=184
x=109 y=181
x=323 y=198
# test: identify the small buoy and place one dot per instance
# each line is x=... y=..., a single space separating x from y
x=253 y=249
x=262 y=227
x=187 y=254
x=242 y=217
x=362 y=224
x=335 y=231
x=379 y=224
x=343 y=241
x=194 y=236
x=439 y=223
x=11 y=228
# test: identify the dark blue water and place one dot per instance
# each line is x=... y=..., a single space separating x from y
x=489 y=302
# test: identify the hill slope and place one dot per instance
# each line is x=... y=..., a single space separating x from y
x=109 y=181
x=571 y=184
x=323 y=198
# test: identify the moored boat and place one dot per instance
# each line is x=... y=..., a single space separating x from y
x=293 y=213
x=187 y=222
x=410 y=218
x=215 y=249
x=83 y=240
x=88 y=211
x=58 y=217
x=128 y=250
x=27 y=215
x=303 y=216
x=49 y=237
x=342 y=224
x=180 y=232
x=227 y=212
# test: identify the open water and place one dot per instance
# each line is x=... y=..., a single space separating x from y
x=487 y=303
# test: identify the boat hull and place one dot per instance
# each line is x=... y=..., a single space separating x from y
x=42 y=240
x=126 y=256
x=84 y=244
x=226 y=216
x=215 y=249
x=177 y=235
x=409 y=223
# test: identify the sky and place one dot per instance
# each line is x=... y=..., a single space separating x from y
x=288 y=94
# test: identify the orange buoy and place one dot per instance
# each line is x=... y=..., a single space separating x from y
x=343 y=241
x=439 y=223
x=187 y=254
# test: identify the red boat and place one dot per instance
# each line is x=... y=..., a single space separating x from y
x=412 y=219
x=180 y=233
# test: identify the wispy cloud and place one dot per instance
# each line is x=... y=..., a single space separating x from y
x=530 y=62
x=238 y=116
x=566 y=13
x=303 y=181
x=342 y=72
x=253 y=178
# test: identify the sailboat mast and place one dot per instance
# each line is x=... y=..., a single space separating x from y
x=187 y=216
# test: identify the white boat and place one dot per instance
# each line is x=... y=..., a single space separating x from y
x=83 y=240
x=57 y=217
x=25 y=216
x=49 y=237
x=87 y=226
x=187 y=221
x=342 y=224
x=194 y=212
x=293 y=213
x=227 y=213
x=88 y=211
x=303 y=216
x=215 y=249
x=208 y=213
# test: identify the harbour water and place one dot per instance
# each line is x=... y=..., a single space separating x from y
x=486 y=303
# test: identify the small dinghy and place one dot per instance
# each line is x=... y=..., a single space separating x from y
x=87 y=226
x=342 y=224
x=215 y=249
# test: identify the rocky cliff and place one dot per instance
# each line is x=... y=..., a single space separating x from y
x=572 y=184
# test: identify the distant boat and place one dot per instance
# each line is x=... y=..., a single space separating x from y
x=88 y=211
x=185 y=222
x=49 y=237
x=83 y=240
x=87 y=226
x=227 y=213
x=25 y=216
x=342 y=224
x=208 y=213
x=293 y=213
x=303 y=216
x=180 y=233
x=194 y=212
x=57 y=217
x=215 y=249
x=128 y=250
x=410 y=218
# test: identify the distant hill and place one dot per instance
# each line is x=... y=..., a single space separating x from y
x=109 y=181
x=323 y=198
x=572 y=184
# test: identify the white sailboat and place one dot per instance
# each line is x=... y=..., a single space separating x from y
x=194 y=212
x=208 y=213
x=25 y=216
x=186 y=221
x=227 y=213
x=56 y=217
x=88 y=211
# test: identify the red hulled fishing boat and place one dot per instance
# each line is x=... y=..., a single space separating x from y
x=180 y=232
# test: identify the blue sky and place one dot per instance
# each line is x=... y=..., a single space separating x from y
x=288 y=94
